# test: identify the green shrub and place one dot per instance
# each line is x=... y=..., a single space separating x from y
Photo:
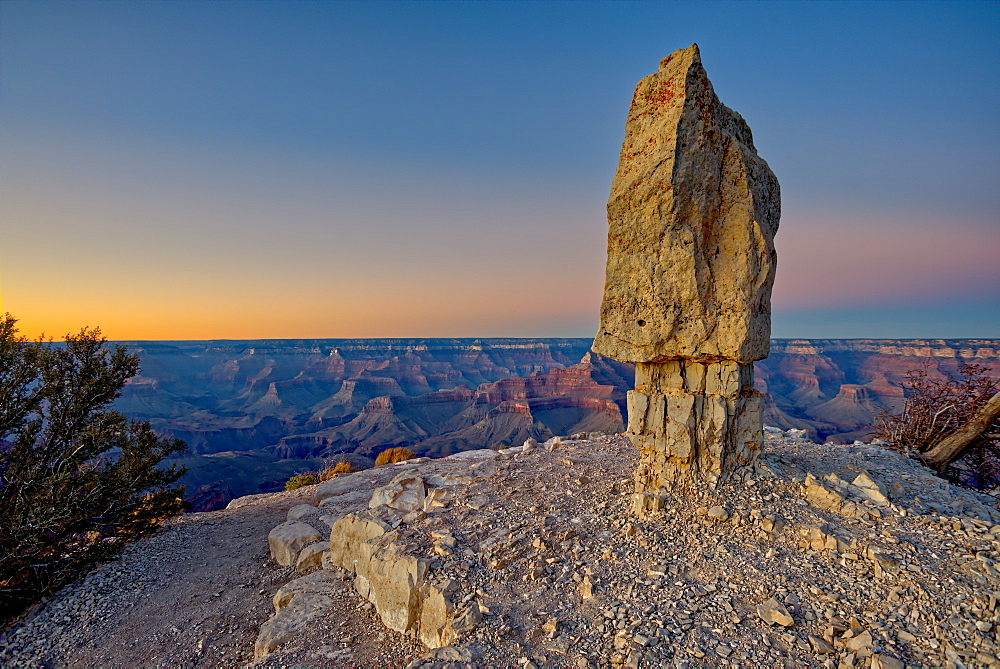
x=77 y=480
x=300 y=480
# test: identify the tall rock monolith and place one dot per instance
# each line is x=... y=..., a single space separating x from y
x=691 y=261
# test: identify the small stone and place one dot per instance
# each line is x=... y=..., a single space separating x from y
x=819 y=646
x=300 y=511
x=288 y=539
x=871 y=489
x=774 y=613
x=886 y=662
x=718 y=513
x=311 y=557
x=859 y=642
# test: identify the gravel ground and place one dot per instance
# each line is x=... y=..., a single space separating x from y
x=907 y=583
x=529 y=537
x=193 y=595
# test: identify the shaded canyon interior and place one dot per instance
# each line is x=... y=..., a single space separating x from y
x=256 y=412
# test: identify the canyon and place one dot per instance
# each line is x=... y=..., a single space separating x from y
x=254 y=413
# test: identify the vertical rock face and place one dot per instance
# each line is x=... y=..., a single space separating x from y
x=692 y=422
x=692 y=216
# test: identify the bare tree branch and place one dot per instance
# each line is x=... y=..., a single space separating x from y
x=949 y=448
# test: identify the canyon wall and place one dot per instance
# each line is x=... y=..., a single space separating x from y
x=255 y=412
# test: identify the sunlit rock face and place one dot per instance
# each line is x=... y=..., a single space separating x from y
x=691 y=262
x=692 y=216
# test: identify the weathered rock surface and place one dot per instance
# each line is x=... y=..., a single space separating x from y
x=385 y=571
x=288 y=620
x=334 y=487
x=692 y=216
x=300 y=511
x=406 y=492
x=287 y=539
x=310 y=557
x=773 y=612
x=691 y=421
x=691 y=262
x=916 y=582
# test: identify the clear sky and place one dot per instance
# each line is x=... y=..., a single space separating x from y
x=187 y=170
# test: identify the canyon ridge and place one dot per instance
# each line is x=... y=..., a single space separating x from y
x=254 y=413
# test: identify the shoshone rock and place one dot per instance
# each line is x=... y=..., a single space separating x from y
x=691 y=261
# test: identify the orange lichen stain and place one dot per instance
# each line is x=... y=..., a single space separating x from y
x=662 y=92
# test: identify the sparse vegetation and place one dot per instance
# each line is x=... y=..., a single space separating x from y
x=325 y=474
x=342 y=467
x=934 y=409
x=393 y=455
x=300 y=480
x=77 y=480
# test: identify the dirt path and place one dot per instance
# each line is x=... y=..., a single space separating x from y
x=194 y=595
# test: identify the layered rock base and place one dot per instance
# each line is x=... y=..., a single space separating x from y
x=691 y=422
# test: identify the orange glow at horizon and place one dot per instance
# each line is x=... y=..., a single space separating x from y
x=136 y=298
x=186 y=260
x=303 y=306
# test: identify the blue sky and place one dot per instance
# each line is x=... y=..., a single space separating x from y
x=309 y=169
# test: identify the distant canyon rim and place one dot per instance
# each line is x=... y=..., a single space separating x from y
x=254 y=413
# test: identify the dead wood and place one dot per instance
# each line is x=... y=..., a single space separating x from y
x=950 y=447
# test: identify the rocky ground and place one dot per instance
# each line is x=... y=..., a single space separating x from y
x=783 y=570
x=192 y=595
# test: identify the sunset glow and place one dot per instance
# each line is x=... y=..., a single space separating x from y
x=278 y=182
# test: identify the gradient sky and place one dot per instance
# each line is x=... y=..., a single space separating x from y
x=189 y=170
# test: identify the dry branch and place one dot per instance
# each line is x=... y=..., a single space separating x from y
x=949 y=448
